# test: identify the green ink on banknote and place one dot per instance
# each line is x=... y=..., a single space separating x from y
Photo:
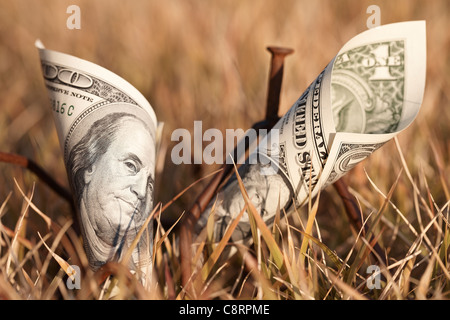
x=367 y=88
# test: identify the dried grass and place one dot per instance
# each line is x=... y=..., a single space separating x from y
x=207 y=60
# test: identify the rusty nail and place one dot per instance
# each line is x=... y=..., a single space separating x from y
x=275 y=80
x=189 y=220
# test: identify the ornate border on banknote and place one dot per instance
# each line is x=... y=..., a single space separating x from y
x=349 y=155
x=77 y=79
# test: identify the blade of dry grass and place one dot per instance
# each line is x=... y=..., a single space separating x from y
x=347 y=289
x=207 y=267
x=438 y=158
x=332 y=255
x=265 y=232
x=345 y=266
x=405 y=277
x=252 y=265
x=414 y=185
x=443 y=251
x=127 y=256
x=63 y=263
x=363 y=250
x=14 y=249
x=2 y=207
x=293 y=278
x=416 y=247
x=424 y=284
x=163 y=237
x=2 y=228
x=7 y=291
x=312 y=211
x=22 y=240
x=47 y=220
x=28 y=257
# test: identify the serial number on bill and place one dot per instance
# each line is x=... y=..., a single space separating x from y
x=62 y=108
x=227 y=309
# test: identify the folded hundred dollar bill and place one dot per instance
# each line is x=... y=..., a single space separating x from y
x=107 y=133
x=370 y=92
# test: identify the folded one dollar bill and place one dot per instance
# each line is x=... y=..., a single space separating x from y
x=107 y=132
x=371 y=91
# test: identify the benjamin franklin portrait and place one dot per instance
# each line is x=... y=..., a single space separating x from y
x=111 y=170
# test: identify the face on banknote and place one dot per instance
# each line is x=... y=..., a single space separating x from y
x=107 y=133
x=112 y=174
x=371 y=91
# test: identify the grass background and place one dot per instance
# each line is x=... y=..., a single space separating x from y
x=207 y=60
